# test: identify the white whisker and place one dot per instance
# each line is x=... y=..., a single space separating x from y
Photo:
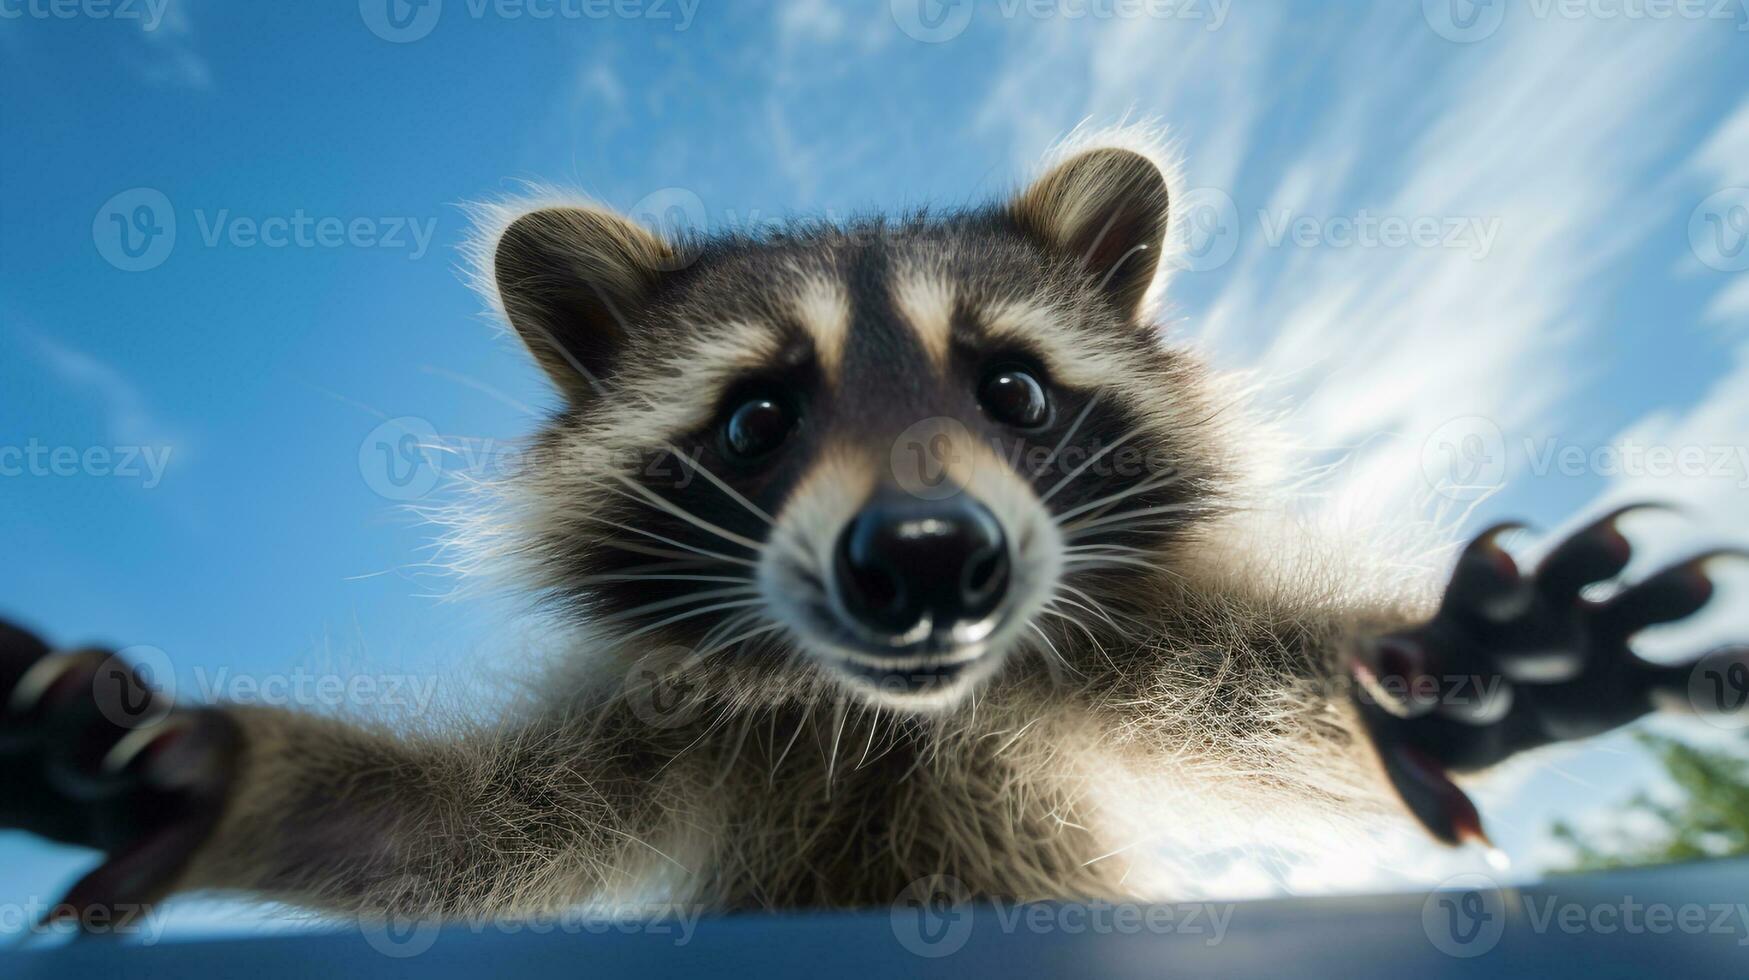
x=1112 y=498
x=689 y=614
x=1045 y=466
x=670 y=507
x=717 y=482
x=597 y=579
x=1096 y=457
x=662 y=538
x=1128 y=515
x=670 y=603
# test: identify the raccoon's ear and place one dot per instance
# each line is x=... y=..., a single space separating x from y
x=571 y=279
x=1106 y=208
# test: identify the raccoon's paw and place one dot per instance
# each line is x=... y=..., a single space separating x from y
x=1514 y=661
x=91 y=756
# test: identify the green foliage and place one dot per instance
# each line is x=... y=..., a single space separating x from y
x=1709 y=820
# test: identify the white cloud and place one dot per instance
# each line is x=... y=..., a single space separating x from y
x=601 y=85
x=810 y=21
x=171 y=57
x=1723 y=161
x=128 y=417
x=1731 y=304
x=1552 y=134
x=1724 y=157
x=1377 y=348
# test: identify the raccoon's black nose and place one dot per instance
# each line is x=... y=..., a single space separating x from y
x=907 y=566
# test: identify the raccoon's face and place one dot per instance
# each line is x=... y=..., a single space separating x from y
x=900 y=453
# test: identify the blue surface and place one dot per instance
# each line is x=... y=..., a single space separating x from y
x=1594 y=927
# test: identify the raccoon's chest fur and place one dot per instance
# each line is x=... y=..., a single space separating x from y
x=854 y=814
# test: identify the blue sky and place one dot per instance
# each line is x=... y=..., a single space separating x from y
x=1505 y=231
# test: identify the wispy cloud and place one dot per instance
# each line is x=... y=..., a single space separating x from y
x=128 y=415
x=1704 y=464
x=1375 y=348
x=1720 y=163
x=1731 y=303
x=157 y=37
x=171 y=57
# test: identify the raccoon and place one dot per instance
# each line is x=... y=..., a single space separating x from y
x=955 y=566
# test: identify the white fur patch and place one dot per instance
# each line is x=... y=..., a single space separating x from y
x=925 y=300
x=679 y=392
x=1069 y=356
x=824 y=313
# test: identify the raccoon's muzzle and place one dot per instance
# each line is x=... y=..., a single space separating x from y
x=922 y=575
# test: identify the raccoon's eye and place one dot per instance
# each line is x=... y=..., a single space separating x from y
x=756 y=426
x=1014 y=396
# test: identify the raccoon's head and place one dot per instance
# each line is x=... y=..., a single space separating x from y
x=898 y=453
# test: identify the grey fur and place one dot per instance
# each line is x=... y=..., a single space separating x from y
x=1200 y=702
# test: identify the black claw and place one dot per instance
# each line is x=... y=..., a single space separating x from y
x=1675 y=593
x=1522 y=661
x=1595 y=553
x=91 y=756
x=1485 y=578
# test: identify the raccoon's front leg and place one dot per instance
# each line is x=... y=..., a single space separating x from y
x=1513 y=661
x=300 y=808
